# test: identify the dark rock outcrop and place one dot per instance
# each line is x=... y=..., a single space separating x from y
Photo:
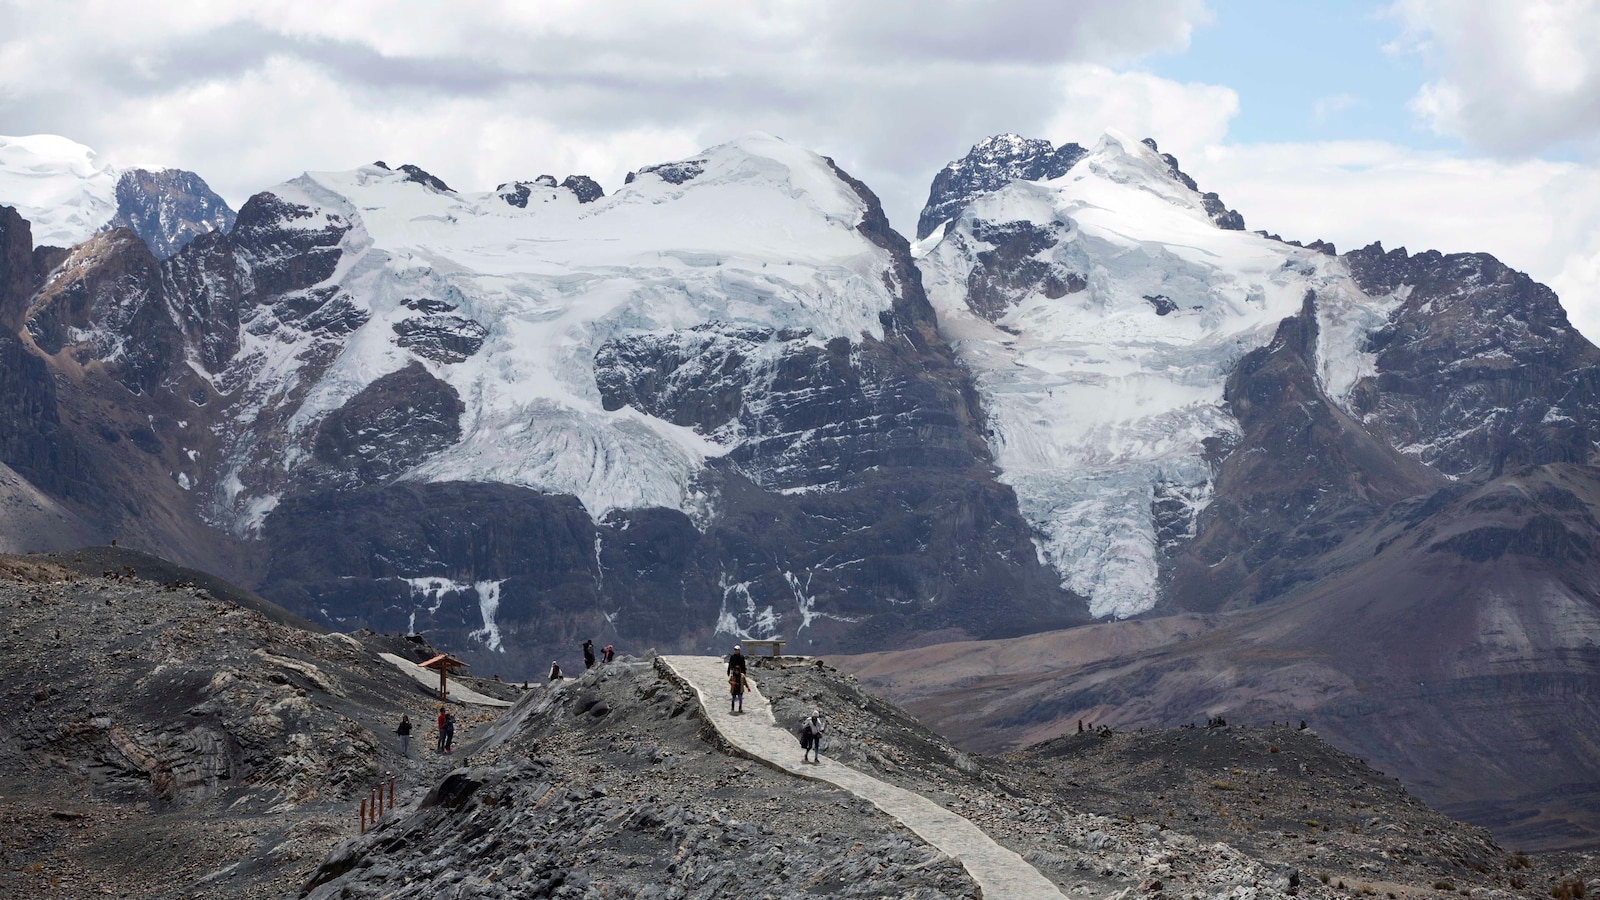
x=671 y=173
x=219 y=280
x=168 y=208
x=416 y=174
x=390 y=426
x=1479 y=370
x=104 y=304
x=990 y=165
x=441 y=338
x=516 y=193
x=1011 y=269
x=586 y=189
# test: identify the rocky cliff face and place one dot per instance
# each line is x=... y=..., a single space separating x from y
x=992 y=164
x=168 y=208
x=1477 y=369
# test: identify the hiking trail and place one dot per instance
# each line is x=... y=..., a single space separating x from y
x=998 y=871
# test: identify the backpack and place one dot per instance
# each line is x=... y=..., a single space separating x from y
x=808 y=738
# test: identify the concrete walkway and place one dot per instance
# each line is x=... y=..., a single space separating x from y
x=999 y=872
x=430 y=679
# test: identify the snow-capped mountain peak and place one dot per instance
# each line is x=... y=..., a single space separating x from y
x=514 y=305
x=59 y=185
x=1122 y=160
x=1101 y=311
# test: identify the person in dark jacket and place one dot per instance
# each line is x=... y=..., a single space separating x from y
x=736 y=661
x=588 y=654
x=405 y=735
x=811 y=737
x=449 y=732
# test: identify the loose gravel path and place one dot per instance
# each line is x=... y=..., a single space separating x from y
x=999 y=872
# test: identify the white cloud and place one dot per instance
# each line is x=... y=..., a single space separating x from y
x=1514 y=76
x=1540 y=217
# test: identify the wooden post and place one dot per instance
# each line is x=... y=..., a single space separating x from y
x=391 y=793
x=363 y=815
x=444 y=682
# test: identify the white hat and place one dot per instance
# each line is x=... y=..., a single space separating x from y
x=737 y=647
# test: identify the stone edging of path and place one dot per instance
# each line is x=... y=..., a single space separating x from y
x=998 y=871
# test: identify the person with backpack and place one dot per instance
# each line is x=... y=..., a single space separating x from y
x=608 y=654
x=555 y=671
x=736 y=688
x=588 y=654
x=449 y=732
x=405 y=735
x=438 y=745
x=811 y=737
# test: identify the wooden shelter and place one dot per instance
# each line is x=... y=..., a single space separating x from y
x=444 y=664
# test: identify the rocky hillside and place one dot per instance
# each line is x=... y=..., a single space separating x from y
x=173 y=742
x=613 y=785
x=170 y=735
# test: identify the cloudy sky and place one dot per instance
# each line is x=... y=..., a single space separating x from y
x=1455 y=124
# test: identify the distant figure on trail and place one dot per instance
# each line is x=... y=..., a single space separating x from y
x=736 y=661
x=811 y=737
x=736 y=689
x=608 y=654
x=588 y=654
x=449 y=732
x=439 y=740
x=555 y=671
x=405 y=735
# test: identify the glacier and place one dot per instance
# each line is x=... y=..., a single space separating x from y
x=754 y=233
x=1101 y=312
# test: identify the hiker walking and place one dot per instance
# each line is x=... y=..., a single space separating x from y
x=811 y=737
x=405 y=735
x=588 y=654
x=736 y=688
x=736 y=660
x=439 y=740
x=608 y=654
x=555 y=671
x=449 y=732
